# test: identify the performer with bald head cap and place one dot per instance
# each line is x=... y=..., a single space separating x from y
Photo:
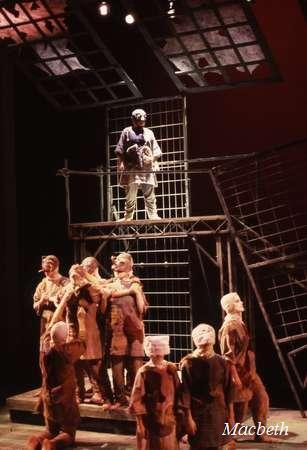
x=61 y=350
x=236 y=348
x=126 y=326
x=207 y=392
x=138 y=152
x=155 y=398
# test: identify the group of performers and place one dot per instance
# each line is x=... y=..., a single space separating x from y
x=85 y=317
x=88 y=323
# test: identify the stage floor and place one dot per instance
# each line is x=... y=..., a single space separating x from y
x=13 y=434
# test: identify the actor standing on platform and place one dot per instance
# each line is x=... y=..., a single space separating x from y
x=207 y=393
x=235 y=347
x=138 y=152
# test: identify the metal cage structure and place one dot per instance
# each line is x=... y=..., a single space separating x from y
x=161 y=250
x=167 y=119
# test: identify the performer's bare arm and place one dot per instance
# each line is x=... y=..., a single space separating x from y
x=140 y=298
x=58 y=313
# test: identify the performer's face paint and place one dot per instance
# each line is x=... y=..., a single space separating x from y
x=140 y=122
x=238 y=305
x=123 y=264
x=89 y=264
x=75 y=277
x=139 y=118
x=231 y=303
x=49 y=265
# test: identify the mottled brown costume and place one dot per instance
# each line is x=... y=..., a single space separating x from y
x=126 y=331
x=235 y=347
x=49 y=288
x=155 y=397
x=207 y=392
x=90 y=362
x=127 y=328
x=58 y=394
x=61 y=411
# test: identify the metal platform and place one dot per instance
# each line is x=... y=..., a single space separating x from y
x=144 y=229
x=93 y=418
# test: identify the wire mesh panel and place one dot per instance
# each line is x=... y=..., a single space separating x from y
x=286 y=297
x=266 y=197
x=166 y=118
x=206 y=44
x=265 y=200
x=163 y=265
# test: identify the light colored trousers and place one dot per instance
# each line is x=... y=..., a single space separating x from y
x=149 y=199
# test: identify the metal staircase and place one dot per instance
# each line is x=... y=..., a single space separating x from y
x=264 y=200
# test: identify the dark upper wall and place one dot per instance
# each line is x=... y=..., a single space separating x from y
x=258 y=117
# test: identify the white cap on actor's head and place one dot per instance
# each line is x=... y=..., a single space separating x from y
x=229 y=299
x=203 y=334
x=59 y=332
x=156 y=345
x=138 y=114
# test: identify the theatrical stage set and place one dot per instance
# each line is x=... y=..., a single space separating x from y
x=128 y=344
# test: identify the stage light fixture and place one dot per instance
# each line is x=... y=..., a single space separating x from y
x=171 y=10
x=129 y=19
x=104 y=8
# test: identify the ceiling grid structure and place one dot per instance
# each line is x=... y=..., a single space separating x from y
x=208 y=45
x=69 y=51
x=72 y=69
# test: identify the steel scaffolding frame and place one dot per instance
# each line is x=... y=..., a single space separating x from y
x=263 y=199
x=161 y=249
x=162 y=259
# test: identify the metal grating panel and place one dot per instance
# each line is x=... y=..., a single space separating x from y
x=164 y=268
x=59 y=50
x=209 y=44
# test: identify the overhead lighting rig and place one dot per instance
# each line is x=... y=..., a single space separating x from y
x=104 y=9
